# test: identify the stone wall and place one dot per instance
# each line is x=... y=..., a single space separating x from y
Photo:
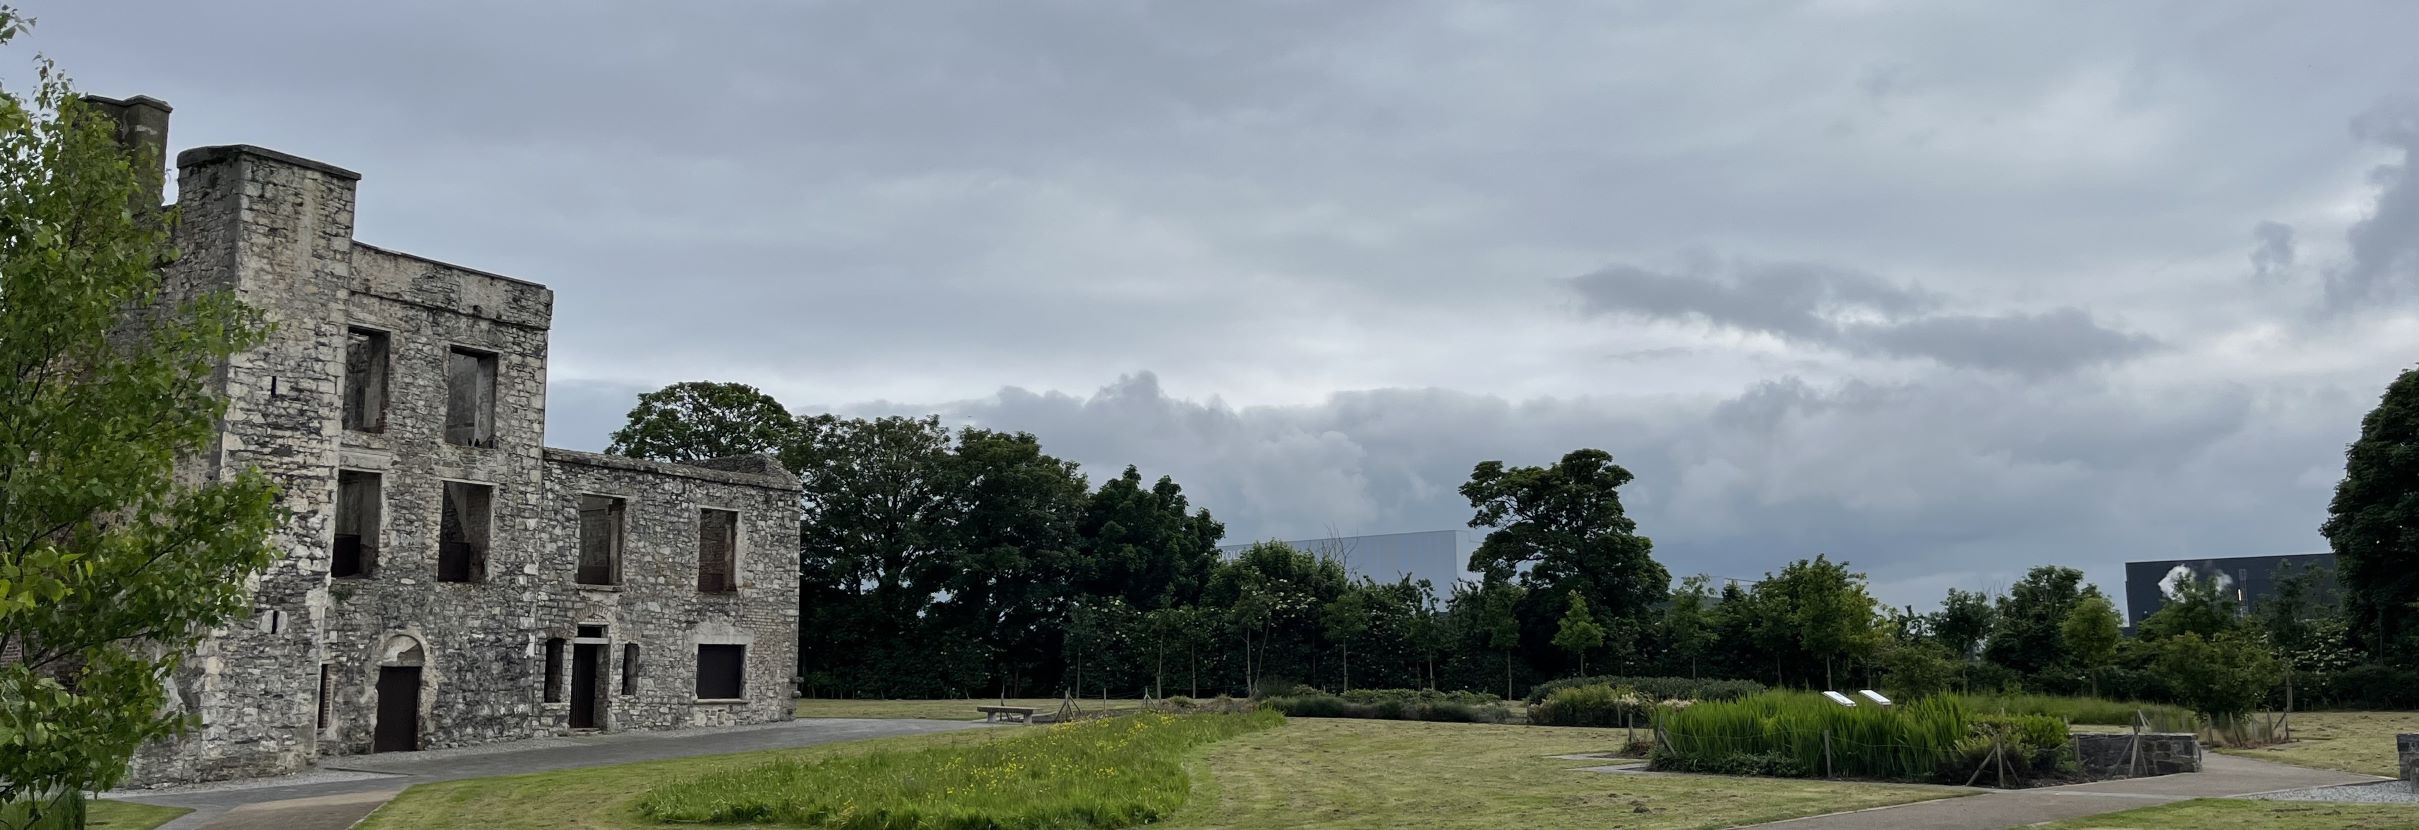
x=2112 y=755
x=2406 y=748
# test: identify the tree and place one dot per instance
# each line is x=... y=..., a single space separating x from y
x=1143 y=546
x=876 y=496
x=1004 y=545
x=2198 y=606
x=1824 y=613
x=2025 y=635
x=1499 y=619
x=1962 y=622
x=112 y=564
x=1920 y=668
x=698 y=420
x=1687 y=623
x=1346 y=618
x=2223 y=677
x=2091 y=633
x=1561 y=528
x=1579 y=631
x=2373 y=522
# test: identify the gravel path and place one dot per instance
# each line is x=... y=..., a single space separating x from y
x=2376 y=792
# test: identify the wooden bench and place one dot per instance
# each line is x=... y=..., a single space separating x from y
x=1017 y=714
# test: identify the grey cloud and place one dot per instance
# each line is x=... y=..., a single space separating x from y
x=2272 y=257
x=2384 y=266
x=1856 y=312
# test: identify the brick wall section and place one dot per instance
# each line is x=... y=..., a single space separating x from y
x=2111 y=755
x=277 y=230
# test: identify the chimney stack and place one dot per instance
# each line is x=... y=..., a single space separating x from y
x=142 y=124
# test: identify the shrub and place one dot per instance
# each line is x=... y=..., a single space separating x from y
x=1656 y=688
x=1393 y=704
x=2162 y=717
x=1049 y=778
x=1597 y=705
x=1914 y=741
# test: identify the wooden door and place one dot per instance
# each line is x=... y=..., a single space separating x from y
x=398 y=727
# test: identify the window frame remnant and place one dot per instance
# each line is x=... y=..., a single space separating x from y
x=603 y=525
x=368 y=354
x=470 y=397
x=717 y=550
x=360 y=520
x=722 y=667
x=465 y=527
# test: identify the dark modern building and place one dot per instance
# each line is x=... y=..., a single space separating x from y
x=2248 y=579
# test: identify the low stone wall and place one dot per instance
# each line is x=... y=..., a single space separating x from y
x=2406 y=747
x=2105 y=755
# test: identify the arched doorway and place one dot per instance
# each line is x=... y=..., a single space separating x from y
x=400 y=662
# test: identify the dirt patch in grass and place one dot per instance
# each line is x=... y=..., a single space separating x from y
x=2227 y=814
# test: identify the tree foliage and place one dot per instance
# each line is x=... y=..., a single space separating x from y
x=2373 y=522
x=698 y=420
x=2091 y=632
x=112 y=566
x=1579 y=632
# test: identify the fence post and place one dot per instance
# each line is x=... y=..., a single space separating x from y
x=1827 y=753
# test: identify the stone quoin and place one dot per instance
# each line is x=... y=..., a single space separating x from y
x=445 y=579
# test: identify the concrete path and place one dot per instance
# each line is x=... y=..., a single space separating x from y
x=2221 y=776
x=345 y=789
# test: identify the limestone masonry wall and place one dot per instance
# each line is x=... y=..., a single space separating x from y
x=2113 y=755
x=356 y=643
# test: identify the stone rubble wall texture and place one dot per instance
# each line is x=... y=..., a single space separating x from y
x=277 y=230
x=2111 y=755
x=2406 y=748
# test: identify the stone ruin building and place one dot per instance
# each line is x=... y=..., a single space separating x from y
x=447 y=579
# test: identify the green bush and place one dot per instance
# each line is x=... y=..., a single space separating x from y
x=1915 y=741
x=1051 y=778
x=1598 y=705
x=1393 y=704
x=1656 y=688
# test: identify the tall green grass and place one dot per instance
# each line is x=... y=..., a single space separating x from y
x=1797 y=733
x=1097 y=774
x=2163 y=717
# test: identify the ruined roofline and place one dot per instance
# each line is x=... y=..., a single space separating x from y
x=443 y=264
x=216 y=153
x=773 y=477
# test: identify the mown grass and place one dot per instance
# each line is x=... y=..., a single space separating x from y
x=2231 y=814
x=1320 y=774
x=2361 y=742
x=128 y=815
x=934 y=709
x=1108 y=773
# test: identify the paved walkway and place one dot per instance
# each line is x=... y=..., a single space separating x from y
x=345 y=789
x=2220 y=776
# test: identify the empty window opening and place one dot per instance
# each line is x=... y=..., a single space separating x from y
x=462 y=534
x=717 y=551
x=592 y=632
x=721 y=670
x=600 y=541
x=326 y=690
x=357 y=507
x=470 y=398
x=365 y=362
x=554 y=670
x=630 y=669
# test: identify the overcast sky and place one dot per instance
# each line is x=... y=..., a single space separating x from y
x=1944 y=289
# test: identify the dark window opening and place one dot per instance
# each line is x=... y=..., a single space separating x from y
x=554 y=670
x=717 y=551
x=630 y=669
x=462 y=533
x=357 y=509
x=365 y=362
x=592 y=632
x=326 y=690
x=470 y=398
x=600 y=541
x=721 y=670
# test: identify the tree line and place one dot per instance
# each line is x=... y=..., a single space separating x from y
x=970 y=562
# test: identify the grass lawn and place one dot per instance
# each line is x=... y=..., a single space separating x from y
x=1331 y=773
x=933 y=709
x=1307 y=773
x=2361 y=742
x=2224 y=814
x=127 y=815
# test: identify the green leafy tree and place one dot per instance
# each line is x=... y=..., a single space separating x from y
x=2198 y=606
x=1499 y=620
x=1561 y=528
x=1347 y=618
x=1579 y=631
x=112 y=565
x=2025 y=636
x=1824 y=614
x=698 y=420
x=1688 y=628
x=2373 y=522
x=1963 y=621
x=1142 y=544
x=2223 y=677
x=1918 y=668
x=877 y=494
x=2091 y=633
x=1005 y=544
